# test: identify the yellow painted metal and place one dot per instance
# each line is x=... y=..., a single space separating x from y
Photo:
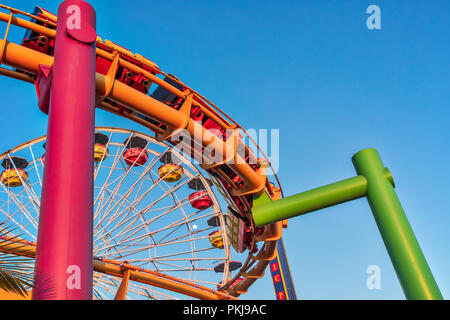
x=216 y=240
x=12 y=178
x=170 y=172
x=100 y=152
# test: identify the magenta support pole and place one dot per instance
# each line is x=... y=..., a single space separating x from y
x=64 y=269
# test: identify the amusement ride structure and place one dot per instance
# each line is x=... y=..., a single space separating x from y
x=137 y=213
x=110 y=213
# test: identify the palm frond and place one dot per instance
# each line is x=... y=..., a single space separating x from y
x=16 y=272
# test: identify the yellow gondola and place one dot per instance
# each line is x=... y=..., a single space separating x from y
x=170 y=172
x=12 y=178
x=14 y=174
x=216 y=239
x=100 y=152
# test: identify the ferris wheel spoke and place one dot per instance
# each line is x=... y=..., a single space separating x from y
x=133 y=220
x=184 y=253
x=105 y=287
x=99 y=294
x=144 y=291
x=181 y=222
x=22 y=181
x=180 y=268
x=177 y=259
x=33 y=198
x=20 y=225
x=124 y=198
x=128 y=252
x=21 y=207
x=101 y=232
x=25 y=186
x=36 y=166
x=173 y=189
x=120 y=183
x=97 y=169
x=155 y=184
x=120 y=150
x=133 y=287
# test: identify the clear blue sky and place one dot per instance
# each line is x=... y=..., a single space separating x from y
x=313 y=70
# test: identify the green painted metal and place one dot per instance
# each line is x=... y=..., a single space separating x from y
x=375 y=182
x=312 y=200
x=406 y=255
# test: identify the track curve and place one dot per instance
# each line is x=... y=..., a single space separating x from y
x=241 y=174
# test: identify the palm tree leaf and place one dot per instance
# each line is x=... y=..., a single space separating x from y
x=16 y=272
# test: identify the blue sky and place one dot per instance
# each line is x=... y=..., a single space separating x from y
x=313 y=70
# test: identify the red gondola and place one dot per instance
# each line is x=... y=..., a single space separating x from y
x=135 y=153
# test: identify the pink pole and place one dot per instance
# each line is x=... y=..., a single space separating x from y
x=64 y=269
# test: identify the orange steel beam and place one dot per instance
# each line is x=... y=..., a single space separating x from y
x=16 y=75
x=208 y=111
x=26 y=59
x=28 y=25
x=120 y=270
x=255 y=182
x=52 y=33
x=123 y=288
x=29 y=60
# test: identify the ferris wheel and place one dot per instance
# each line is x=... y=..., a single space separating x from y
x=154 y=210
x=159 y=229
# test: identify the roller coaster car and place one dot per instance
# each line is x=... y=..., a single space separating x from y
x=39 y=42
x=135 y=153
x=100 y=150
x=165 y=96
x=12 y=177
x=200 y=200
x=135 y=80
x=216 y=240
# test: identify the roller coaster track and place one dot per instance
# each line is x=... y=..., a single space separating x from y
x=241 y=179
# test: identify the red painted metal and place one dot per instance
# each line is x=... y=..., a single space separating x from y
x=200 y=200
x=135 y=156
x=64 y=267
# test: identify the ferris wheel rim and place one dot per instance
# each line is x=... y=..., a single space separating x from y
x=37 y=161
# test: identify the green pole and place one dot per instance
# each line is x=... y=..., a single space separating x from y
x=407 y=258
x=312 y=200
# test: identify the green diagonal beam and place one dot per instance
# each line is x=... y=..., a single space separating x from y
x=375 y=182
x=407 y=257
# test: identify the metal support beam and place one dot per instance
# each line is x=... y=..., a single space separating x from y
x=64 y=261
x=123 y=288
x=375 y=182
x=312 y=200
x=406 y=255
